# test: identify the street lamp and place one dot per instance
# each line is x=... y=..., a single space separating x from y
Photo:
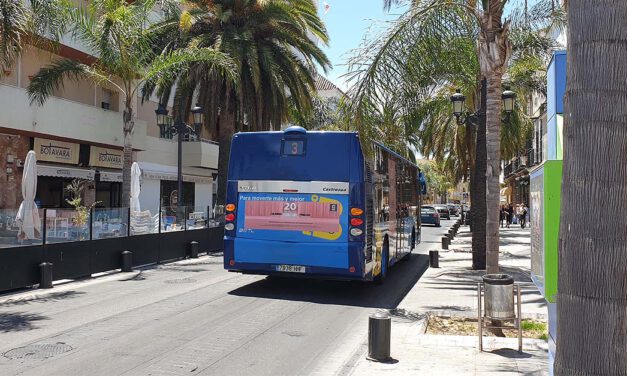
x=162 y=119
x=458 y=100
x=181 y=129
x=199 y=116
x=509 y=100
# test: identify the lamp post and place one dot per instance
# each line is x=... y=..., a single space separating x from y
x=477 y=188
x=181 y=129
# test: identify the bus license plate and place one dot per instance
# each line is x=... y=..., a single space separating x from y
x=290 y=268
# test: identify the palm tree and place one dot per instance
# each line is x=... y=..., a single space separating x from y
x=119 y=34
x=13 y=25
x=273 y=43
x=35 y=22
x=592 y=279
x=436 y=46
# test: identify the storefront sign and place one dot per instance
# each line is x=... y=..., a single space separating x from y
x=153 y=175
x=103 y=157
x=56 y=151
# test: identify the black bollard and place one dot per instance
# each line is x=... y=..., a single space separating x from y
x=445 y=242
x=450 y=234
x=45 y=281
x=434 y=259
x=193 y=249
x=127 y=261
x=379 y=337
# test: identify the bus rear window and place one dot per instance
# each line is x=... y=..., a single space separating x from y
x=293 y=147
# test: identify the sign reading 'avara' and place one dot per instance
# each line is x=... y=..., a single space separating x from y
x=103 y=157
x=56 y=151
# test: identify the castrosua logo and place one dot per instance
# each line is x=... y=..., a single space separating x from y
x=332 y=189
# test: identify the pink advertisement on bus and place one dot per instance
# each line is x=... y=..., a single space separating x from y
x=292 y=216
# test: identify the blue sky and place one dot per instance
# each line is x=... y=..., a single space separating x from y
x=347 y=22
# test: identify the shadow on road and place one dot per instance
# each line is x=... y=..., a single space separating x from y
x=52 y=297
x=399 y=281
x=19 y=321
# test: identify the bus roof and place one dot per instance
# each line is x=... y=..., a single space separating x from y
x=327 y=156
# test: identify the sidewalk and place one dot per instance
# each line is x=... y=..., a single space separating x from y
x=451 y=290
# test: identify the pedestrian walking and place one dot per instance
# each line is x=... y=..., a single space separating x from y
x=502 y=215
x=510 y=215
x=523 y=215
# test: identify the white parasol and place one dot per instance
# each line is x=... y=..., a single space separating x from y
x=135 y=187
x=28 y=216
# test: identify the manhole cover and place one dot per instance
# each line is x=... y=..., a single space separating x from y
x=180 y=280
x=38 y=351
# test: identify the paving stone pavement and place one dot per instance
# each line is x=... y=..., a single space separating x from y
x=451 y=291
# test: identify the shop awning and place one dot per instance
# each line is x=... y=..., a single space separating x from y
x=110 y=176
x=65 y=172
x=153 y=171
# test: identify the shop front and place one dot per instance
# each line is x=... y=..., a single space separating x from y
x=58 y=164
x=159 y=192
x=108 y=165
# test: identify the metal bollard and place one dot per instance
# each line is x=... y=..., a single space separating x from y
x=45 y=281
x=379 y=337
x=193 y=249
x=127 y=261
x=445 y=242
x=434 y=259
x=450 y=234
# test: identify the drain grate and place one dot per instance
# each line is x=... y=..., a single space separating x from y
x=38 y=351
x=180 y=280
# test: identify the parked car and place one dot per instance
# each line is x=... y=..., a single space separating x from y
x=453 y=209
x=443 y=210
x=428 y=215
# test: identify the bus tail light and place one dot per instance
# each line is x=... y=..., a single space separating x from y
x=230 y=217
x=230 y=207
x=356 y=221
x=229 y=227
x=351 y=269
x=356 y=211
x=231 y=262
x=356 y=231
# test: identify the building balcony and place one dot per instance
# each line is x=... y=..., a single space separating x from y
x=201 y=153
x=65 y=118
x=520 y=162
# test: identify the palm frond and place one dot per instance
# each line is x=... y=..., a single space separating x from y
x=51 y=78
x=13 y=28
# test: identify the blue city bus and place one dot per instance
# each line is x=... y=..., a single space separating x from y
x=312 y=204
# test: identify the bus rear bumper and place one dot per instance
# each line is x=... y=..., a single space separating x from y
x=329 y=261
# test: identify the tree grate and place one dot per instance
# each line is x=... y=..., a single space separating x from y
x=38 y=351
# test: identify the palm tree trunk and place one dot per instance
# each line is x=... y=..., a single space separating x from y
x=592 y=278
x=493 y=171
x=479 y=187
x=128 y=156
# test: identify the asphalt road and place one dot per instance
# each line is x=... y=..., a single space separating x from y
x=193 y=318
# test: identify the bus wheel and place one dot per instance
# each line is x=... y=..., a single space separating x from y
x=384 y=266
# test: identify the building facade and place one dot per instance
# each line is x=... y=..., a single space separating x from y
x=77 y=134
